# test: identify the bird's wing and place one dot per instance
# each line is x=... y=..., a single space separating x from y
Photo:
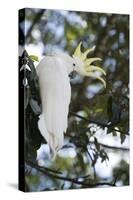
x=55 y=96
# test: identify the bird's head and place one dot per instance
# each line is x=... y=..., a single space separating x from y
x=84 y=66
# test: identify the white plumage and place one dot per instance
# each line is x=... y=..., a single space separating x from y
x=55 y=96
x=53 y=72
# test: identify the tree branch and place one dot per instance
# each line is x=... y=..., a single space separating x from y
x=98 y=123
x=29 y=162
x=113 y=147
x=74 y=180
x=103 y=145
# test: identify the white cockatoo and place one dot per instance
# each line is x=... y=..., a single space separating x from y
x=55 y=90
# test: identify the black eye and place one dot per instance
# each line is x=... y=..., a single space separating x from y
x=73 y=64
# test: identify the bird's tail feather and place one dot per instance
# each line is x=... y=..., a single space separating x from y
x=47 y=136
x=42 y=128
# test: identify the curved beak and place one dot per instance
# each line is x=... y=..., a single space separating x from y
x=72 y=74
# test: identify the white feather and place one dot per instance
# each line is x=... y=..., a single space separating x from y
x=55 y=96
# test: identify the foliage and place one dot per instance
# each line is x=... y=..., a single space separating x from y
x=93 y=111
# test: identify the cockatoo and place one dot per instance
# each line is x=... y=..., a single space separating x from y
x=55 y=90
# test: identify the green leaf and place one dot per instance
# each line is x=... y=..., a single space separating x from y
x=123 y=137
x=109 y=130
x=96 y=144
x=103 y=155
x=34 y=58
x=95 y=158
x=35 y=107
x=113 y=110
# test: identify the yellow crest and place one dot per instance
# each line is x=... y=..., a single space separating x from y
x=89 y=69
